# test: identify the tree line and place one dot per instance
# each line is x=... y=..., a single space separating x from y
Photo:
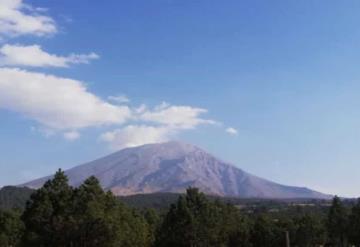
x=58 y=215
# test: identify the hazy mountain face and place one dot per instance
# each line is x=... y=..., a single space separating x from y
x=172 y=167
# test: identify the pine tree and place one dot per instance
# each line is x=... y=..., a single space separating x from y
x=47 y=215
x=177 y=227
x=102 y=220
x=354 y=224
x=11 y=228
x=310 y=231
x=196 y=221
x=337 y=223
x=90 y=204
x=233 y=229
x=59 y=216
x=153 y=221
x=265 y=232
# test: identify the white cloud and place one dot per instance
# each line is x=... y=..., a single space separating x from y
x=55 y=102
x=141 y=109
x=179 y=117
x=80 y=58
x=65 y=105
x=120 y=99
x=34 y=56
x=44 y=131
x=71 y=135
x=17 y=18
x=168 y=120
x=231 y=131
x=136 y=135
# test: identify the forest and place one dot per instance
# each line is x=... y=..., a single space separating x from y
x=58 y=215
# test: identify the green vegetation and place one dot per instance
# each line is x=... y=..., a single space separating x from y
x=11 y=228
x=354 y=224
x=58 y=215
x=196 y=221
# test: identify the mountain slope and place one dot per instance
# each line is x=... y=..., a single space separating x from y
x=172 y=167
x=14 y=197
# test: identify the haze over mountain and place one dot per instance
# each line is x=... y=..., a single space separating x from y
x=172 y=167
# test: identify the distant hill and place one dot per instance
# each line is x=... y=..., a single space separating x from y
x=164 y=200
x=172 y=167
x=14 y=197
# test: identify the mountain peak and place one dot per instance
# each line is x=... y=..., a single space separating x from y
x=171 y=145
x=172 y=167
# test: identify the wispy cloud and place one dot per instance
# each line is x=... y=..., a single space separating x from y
x=71 y=135
x=17 y=18
x=232 y=131
x=135 y=135
x=119 y=99
x=180 y=117
x=156 y=125
x=34 y=56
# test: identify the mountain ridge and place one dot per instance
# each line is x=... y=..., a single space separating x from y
x=172 y=167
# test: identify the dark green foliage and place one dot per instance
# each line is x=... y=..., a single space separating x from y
x=92 y=209
x=337 y=223
x=196 y=221
x=47 y=216
x=59 y=216
x=310 y=231
x=153 y=220
x=102 y=221
x=232 y=226
x=162 y=201
x=14 y=197
x=303 y=230
x=354 y=225
x=158 y=201
x=265 y=233
x=11 y=228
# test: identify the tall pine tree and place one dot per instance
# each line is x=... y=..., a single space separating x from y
x=11 y=228
x=47 y=215
x=354 y=224
x=337 y=223
x=196 y=221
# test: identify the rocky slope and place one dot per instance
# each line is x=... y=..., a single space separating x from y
x=172 y=167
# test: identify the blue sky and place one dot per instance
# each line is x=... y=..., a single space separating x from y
x=283 y=74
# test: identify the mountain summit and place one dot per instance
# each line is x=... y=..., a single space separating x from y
x=172 y=167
